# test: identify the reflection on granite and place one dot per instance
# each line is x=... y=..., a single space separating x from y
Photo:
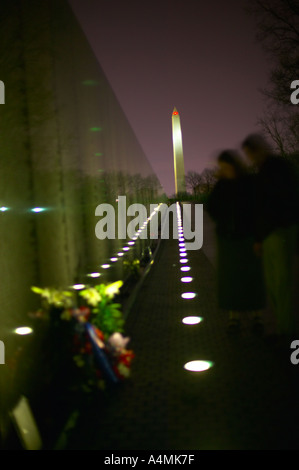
x=66 y=147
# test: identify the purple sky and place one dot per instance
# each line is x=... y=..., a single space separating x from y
x=198 y=56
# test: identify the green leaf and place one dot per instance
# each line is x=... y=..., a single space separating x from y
x=37 y=290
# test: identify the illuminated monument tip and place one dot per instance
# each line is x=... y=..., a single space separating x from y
x=179 y=168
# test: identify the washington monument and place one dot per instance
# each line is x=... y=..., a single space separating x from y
x=179 y=168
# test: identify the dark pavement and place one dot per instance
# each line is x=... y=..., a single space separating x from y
x=249 y=399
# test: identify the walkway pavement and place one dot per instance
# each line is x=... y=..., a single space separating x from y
x=249 y=399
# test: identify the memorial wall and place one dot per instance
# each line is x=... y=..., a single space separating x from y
x=66 y=146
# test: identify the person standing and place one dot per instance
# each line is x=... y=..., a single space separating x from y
x=239 y=270
x=277 y=212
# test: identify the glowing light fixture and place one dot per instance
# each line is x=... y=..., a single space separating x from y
x=113 y=259
x=185 y=268
x=198 y=366
x=188 y=295
x=192 y=320
x=131 y=243
x=94 y=275
x=187 y=279
x=126 y=248
x=3 y=209
x=23 y=330
x=105 y=266
x=78 y=286
x=38 y=209
x=120 y=254
x=183 y=260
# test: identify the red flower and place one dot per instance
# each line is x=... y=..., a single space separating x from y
x=126 y=357
x=99 y=333
x=85 y=311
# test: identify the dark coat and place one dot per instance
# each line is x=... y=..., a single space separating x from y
x=239 y=270
x=277 y=196
x=231 y=205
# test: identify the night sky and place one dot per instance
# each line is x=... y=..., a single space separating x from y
x=201 y=57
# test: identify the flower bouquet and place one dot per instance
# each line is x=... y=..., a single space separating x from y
x=98 y=348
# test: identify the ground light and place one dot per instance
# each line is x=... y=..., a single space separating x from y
x=113 y=259
x=126 y=248
x=23 y=330
x=187 y=279
x=78 y=286
x=38 y=209
x=192 y=320
x=183 y=260
x=3 y=209
x=105 y=266
x=198 y=366
x=185 y=268
x=188 y=295
x=94 y=275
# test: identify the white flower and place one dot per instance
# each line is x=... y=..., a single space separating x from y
x=118 y=341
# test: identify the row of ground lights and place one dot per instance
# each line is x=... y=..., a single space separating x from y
x=198 y=365
x=24 y=330
x=122 y=252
